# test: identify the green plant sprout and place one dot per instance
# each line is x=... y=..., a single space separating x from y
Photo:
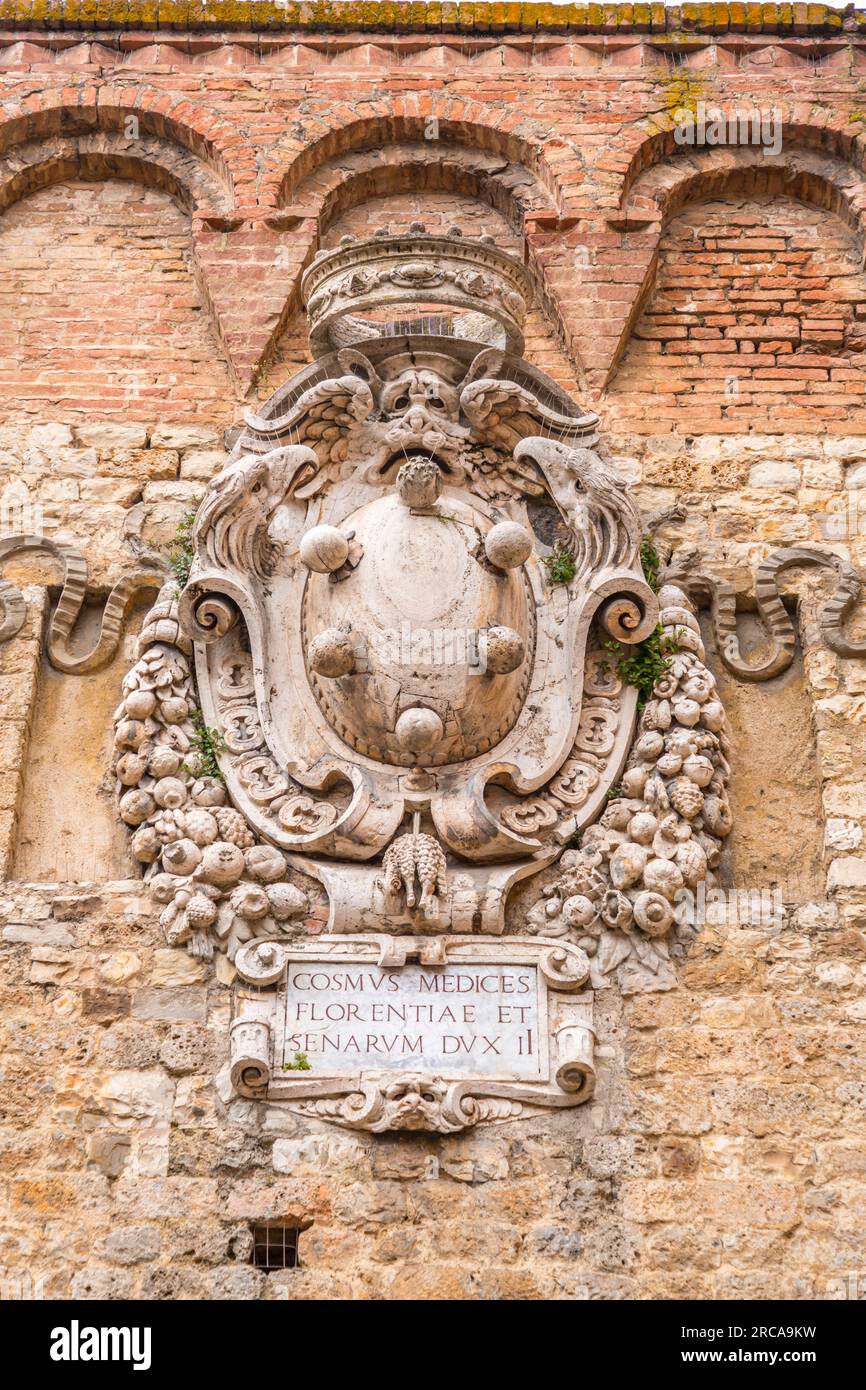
x=650 y=563
x=645 y=663
x=207 y=744
x=560 y=566
x=181 y=553
x=300 y=1063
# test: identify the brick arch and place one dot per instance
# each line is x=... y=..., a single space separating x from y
x=100 y=301
x=633 y=187
x=177 y=122
x=664 y=189
x=494 y=130
x=104 y=155
x=344 y=182
x=200 y=159
x=826 y=181
x=755 y=283
x=649 y=143
x=94 y=153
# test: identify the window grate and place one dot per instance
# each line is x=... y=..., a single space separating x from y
x=275 y=1247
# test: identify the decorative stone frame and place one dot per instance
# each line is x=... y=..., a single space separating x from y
x=414 y=1099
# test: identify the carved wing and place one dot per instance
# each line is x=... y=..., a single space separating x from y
x=504 y=412
x=605 y=524
x=323 y=417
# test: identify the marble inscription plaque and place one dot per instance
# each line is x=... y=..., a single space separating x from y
x=403 y=1032
x=484 y=1020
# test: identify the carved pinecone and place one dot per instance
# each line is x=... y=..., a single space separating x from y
x=233 y=827
x=162 y=623
x=686 y=797
x=200 y=912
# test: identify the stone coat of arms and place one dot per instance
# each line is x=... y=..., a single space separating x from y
x=399 y=635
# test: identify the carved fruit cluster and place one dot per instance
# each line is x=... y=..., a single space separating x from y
x=218 y=885
x=626 y=890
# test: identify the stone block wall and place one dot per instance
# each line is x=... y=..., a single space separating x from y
x=162 y=189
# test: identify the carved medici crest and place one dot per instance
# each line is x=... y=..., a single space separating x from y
x=377 y=636
x=406 y=585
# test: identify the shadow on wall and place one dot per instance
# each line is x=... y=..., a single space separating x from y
x=775 y=787
x=68 y=829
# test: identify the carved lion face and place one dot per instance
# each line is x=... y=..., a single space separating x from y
x=420 y=390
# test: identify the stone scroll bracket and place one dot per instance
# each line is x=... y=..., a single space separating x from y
x=124 y=593
x=721 y=595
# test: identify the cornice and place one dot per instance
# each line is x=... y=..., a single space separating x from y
x=360 y=16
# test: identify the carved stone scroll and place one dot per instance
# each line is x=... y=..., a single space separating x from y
x=117 y=605
x=721 y=595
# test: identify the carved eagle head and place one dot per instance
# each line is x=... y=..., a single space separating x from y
x=604 y=522
x=232 y=524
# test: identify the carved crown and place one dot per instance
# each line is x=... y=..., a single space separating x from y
x=417 y=271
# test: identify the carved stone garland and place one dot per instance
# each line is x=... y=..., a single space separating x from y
x=626 y=895
x=219 y=884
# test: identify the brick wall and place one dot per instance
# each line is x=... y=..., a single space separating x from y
x=100 y=316
x=756 y=321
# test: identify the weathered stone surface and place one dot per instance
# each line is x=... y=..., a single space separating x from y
x=202 y=464
x=111 y=436
x=174 y=970
x=138 y=1095
x=131 y=1245
x=170 y=1004
x=183 y=437
x=109 y=1152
